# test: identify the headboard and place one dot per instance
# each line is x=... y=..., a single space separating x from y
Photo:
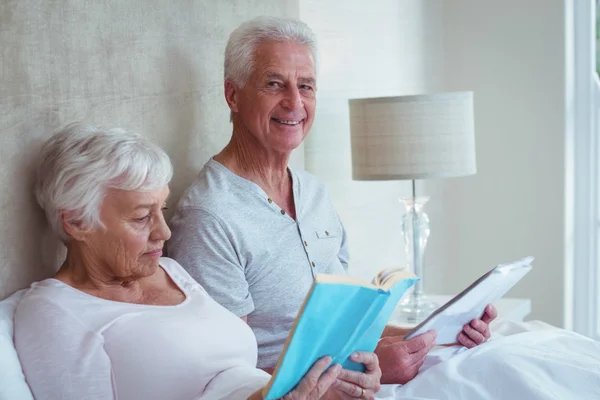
x=150 y=66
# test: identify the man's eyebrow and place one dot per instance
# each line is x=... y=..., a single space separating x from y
x=308 y=80
x=275 y=75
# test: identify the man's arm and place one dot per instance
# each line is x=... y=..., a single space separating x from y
x=391 y=330
x=202 y=244
x=267 y=370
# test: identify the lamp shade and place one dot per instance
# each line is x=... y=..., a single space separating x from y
x=413 y=137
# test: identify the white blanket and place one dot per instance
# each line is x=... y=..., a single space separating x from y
x=522 y=361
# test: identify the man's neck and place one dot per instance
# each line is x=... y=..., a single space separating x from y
x=245 y=157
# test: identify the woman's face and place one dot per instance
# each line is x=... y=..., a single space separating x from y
x=130 y=243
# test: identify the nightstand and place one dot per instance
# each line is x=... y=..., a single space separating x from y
x=508 y=308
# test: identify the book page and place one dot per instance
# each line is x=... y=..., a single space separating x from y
x=449 y=319
x=388 y=277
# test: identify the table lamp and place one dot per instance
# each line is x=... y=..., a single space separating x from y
x=410 y=138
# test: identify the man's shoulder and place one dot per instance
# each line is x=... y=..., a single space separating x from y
x=314 y=190
x=308 y=180
x=210 y=191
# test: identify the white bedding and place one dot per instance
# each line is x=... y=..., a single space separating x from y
x=523 y=361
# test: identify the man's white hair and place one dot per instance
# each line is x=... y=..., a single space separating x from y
x=242 y=43
x=79 y=163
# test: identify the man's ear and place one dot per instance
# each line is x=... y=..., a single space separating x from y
x=73 y=226
x=231 y=95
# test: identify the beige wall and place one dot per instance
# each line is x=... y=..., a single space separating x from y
x=511 y=54
x=148 y=65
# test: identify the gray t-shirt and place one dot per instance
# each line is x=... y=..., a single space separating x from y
x=250 y=256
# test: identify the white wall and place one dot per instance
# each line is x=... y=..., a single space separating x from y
x=386 y=47
x=511 y=54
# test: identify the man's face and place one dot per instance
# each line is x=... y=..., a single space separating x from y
x=277 y=104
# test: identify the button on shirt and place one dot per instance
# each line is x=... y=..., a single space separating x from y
x=251 y=256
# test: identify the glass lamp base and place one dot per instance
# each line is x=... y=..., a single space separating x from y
x=414 y=308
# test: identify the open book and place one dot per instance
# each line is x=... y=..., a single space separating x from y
x=340 y=315
x=449 y=319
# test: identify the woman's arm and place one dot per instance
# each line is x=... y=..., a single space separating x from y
x=61 y=358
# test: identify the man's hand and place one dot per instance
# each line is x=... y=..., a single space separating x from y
x=401 y=359
x=478 y=330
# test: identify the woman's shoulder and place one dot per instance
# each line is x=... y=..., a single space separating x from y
x=45 y=300
x=179 y=274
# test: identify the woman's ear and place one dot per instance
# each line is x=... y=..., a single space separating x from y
x=231 y=95
x=73 y=226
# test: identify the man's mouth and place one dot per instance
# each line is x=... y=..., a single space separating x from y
x=286 y=121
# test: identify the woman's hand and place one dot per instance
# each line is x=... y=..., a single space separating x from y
x=316 y=382
x=359 y=385
x=313 y=385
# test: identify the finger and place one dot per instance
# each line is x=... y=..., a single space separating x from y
x=416 y=344
x=490 y=314
x=370 y=360
x=358 y=378
x=479 y=326
x=328 y=378
x=350 y=389
x=311 y=378
x=466 y=341
x=482 y=328
x=474 y=334
x=417 y=359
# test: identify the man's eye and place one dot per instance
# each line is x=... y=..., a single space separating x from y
x=306 y=87
x=274 y=84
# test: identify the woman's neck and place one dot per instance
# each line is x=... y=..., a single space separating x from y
x=84 y=273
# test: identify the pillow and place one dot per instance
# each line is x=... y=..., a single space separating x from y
x=12 y=380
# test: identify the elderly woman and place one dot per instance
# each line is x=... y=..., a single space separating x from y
x=118 y=320
x=252 y=230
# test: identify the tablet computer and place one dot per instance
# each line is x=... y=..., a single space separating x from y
x=449 y=319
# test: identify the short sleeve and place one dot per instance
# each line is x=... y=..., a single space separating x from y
x=203 y=247
x=61 y=358
x=344 y=253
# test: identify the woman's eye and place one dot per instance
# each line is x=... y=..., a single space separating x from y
x=143 y=219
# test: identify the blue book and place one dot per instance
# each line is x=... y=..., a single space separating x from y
x=340 y=315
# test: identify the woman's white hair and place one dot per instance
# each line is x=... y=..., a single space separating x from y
x=242 y=43
x=79 y=163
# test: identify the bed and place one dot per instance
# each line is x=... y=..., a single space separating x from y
x=532 y=360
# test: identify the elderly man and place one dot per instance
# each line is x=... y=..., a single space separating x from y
x=253 y=231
